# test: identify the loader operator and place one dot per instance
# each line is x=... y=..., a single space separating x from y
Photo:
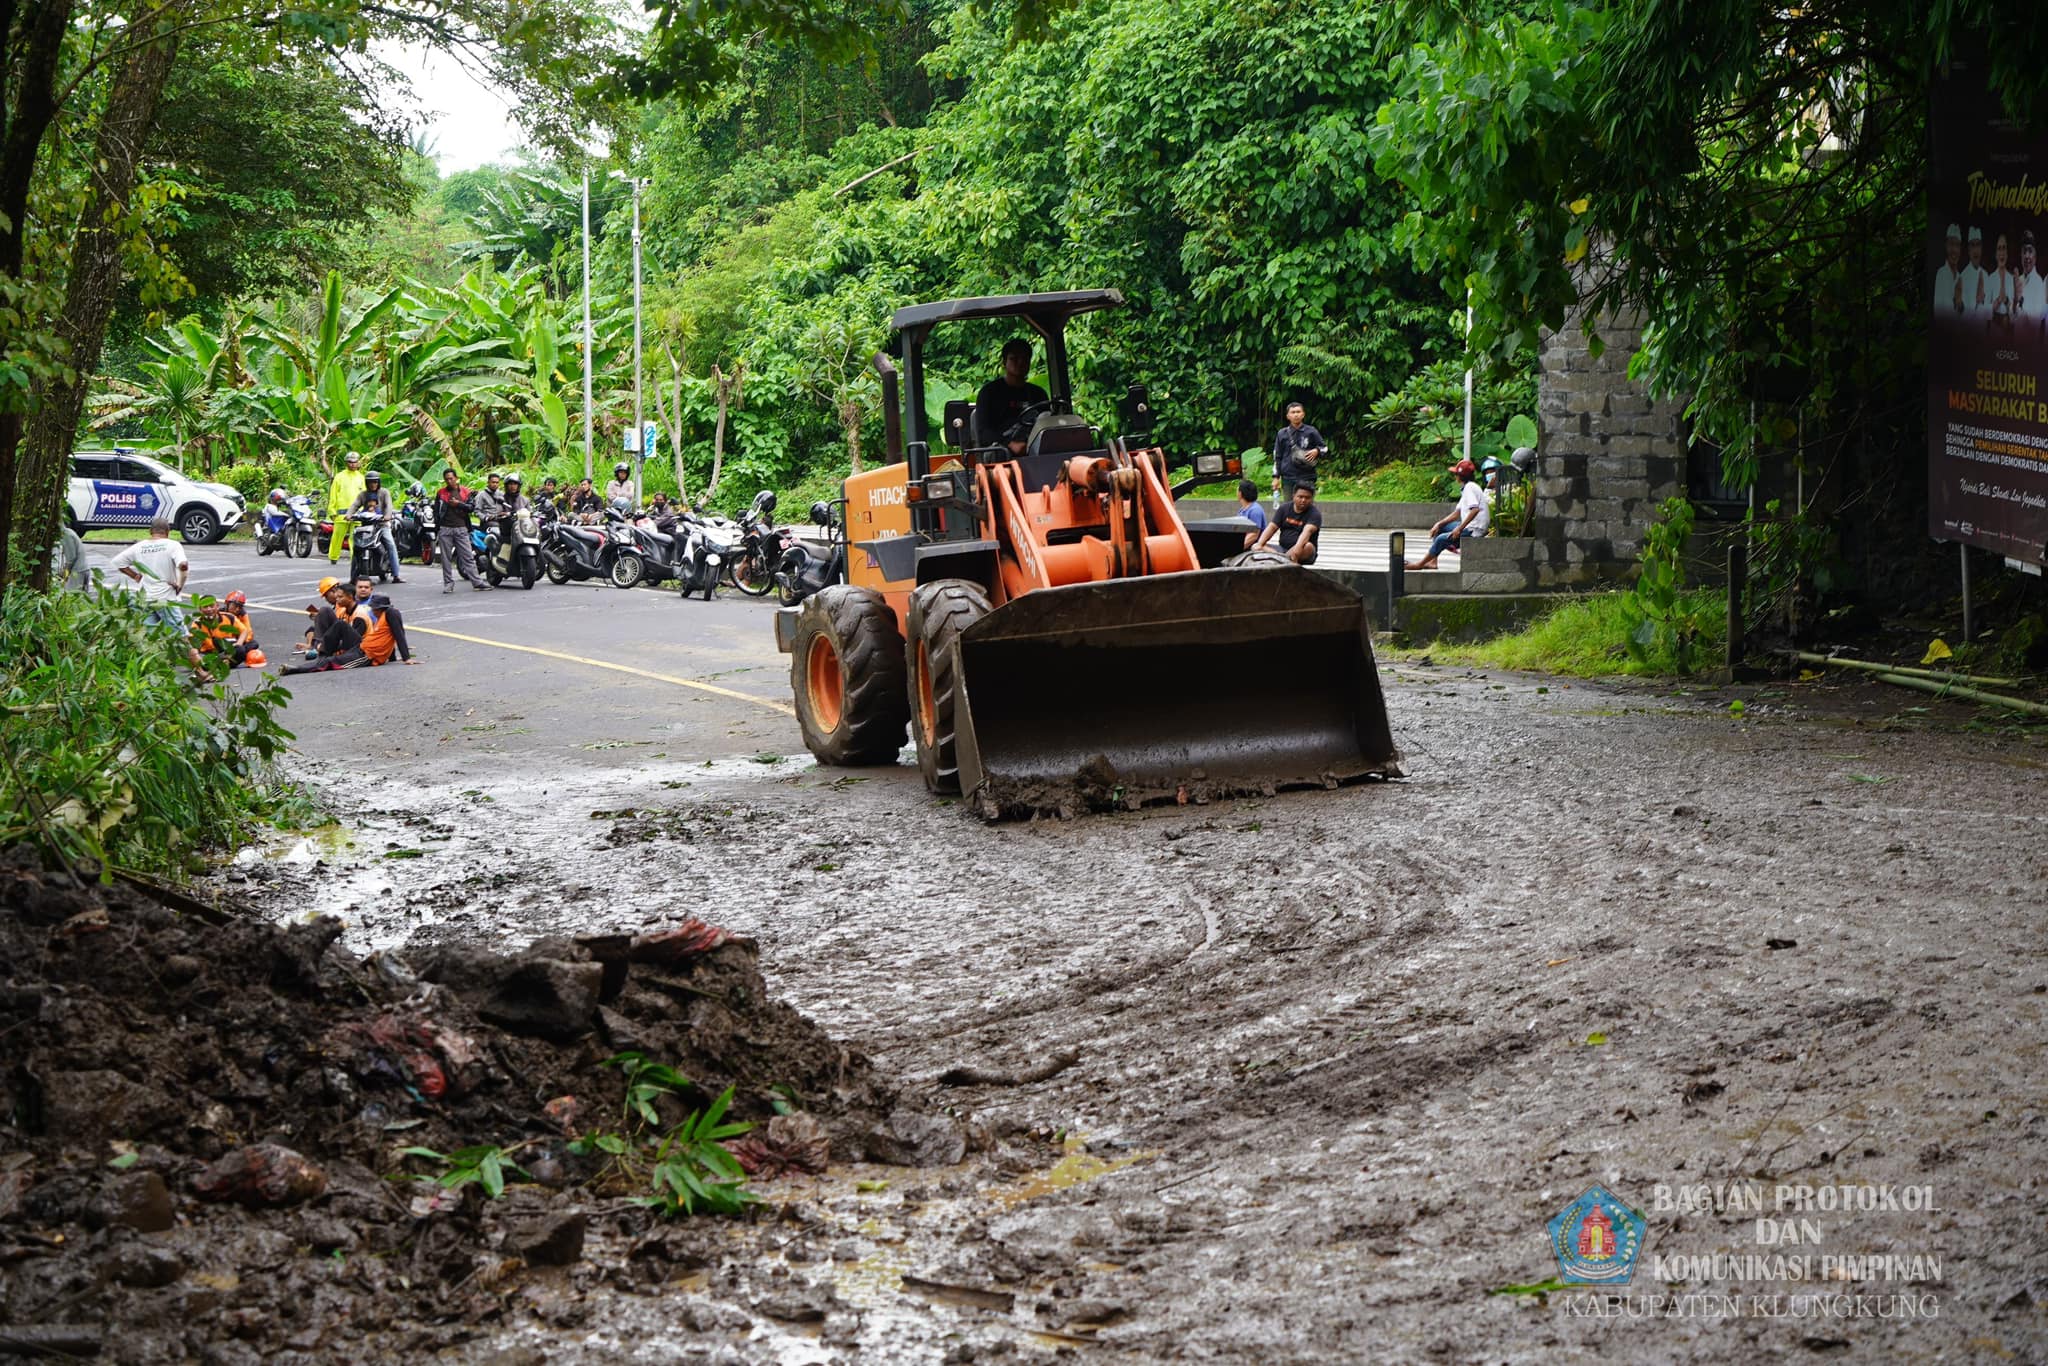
x=1002 y=400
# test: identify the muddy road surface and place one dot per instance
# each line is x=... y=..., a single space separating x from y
x=1311 y=1075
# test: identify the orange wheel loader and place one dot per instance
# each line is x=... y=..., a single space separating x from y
x=1053 y=633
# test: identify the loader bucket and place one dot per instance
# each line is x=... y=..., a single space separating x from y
x=1174 y=686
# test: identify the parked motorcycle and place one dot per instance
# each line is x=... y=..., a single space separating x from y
x=646 y=553
x=752 y=565
x=572 y=554
x=286 y=526
x=518 y=556
x=415 y=527
x=803 y=570
x=699 y=559
x=366 y=548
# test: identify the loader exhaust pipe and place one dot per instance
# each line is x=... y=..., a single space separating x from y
x=1173 y=687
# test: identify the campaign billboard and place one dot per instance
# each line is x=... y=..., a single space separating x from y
x=1987 y=350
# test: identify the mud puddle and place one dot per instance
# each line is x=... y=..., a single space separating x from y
x=1376 y=1037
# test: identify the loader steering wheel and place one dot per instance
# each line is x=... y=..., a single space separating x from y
x=1029 y=414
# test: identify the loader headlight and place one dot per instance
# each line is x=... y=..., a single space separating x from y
x=938 y=490
x=1209 y=463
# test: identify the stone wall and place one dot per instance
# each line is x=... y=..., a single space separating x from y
x=1608 y=455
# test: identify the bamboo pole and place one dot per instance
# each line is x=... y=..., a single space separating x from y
x=1967 y=694
x=1939 y=676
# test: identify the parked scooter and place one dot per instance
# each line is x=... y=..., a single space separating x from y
x=572 y=554
x=286 y=524
x=804 y=571
x=752 y=565
x=699 y=560
x=645 y=553
x=366 y=548
x=518 y=557
x=415 y=527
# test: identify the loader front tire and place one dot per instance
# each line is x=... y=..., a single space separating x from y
x=939 y=612
x=846 y=669
x=1256 y=559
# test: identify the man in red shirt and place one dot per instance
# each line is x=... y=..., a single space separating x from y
x=451 y=518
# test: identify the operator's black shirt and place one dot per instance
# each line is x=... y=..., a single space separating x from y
x=999 y=403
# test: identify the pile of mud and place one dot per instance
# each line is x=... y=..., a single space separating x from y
x=203 y=1118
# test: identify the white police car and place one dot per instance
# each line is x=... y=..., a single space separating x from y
x=123 y=488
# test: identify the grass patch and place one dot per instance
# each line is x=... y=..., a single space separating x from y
x=1585 y=637
x=1398 y=481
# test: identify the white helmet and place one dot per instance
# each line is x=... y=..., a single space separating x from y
x=277 y=495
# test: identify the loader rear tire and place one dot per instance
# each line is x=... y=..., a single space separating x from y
x=1256 y=559
x=846 y=669
x=939 y=612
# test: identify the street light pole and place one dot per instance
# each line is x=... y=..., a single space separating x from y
x=639 y=420
x=589 y=350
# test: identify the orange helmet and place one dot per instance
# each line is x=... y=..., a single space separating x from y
x=254 y=659
x=237 y=598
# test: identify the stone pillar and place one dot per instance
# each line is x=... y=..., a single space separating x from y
x=1608 y=455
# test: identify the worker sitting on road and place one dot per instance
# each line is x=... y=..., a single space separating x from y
x=240 y=632
x=335 y=640
x=1002 y=401
x=1296 y=525
x=381 y=626
x=1468 y=521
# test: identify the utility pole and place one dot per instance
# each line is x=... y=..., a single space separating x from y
x=589 y=349
x=639 y=418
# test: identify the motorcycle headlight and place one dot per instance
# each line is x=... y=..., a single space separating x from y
x=712 y=558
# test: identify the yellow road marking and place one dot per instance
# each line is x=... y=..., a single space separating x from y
x=711 y=688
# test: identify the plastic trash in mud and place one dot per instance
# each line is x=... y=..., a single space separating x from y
x=666 y=948
x=406 y=1049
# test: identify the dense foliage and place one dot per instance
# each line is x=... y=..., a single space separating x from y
x=110 y=747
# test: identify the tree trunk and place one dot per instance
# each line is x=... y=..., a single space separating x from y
x=29 y=68
x=728 y=387
x=849 y=418
x=91 y=291
x=673 y=420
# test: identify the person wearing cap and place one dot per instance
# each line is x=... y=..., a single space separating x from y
x=160 y=565
x=1468 y=521
x=621 y=485
x=380 y=626
x=452 y=504
x=1948 y=281
x=342 y=493
x=334 y=639
x=1975 y=307
x=1297 y=526
x=1296 y=449
x=375 y=500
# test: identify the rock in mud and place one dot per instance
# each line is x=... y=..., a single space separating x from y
x=788 y=1143
x=911 y=1138
x=546 y=998
x=262 y=1174
x=144 y=1266
x=551 y=1240
x=137 y=1200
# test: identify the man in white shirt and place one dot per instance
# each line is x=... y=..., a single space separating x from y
x=1468 y=521
x=160 y=566
x=621 y=487
x=2031 y=308
x=1976 y=281
x=1948 y=281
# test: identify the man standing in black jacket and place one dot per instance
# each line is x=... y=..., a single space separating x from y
x=1296 y=449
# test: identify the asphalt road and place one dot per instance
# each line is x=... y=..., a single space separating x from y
x=583 y=674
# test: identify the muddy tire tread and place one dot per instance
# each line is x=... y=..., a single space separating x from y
x=939 y=612
x=874 y=710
